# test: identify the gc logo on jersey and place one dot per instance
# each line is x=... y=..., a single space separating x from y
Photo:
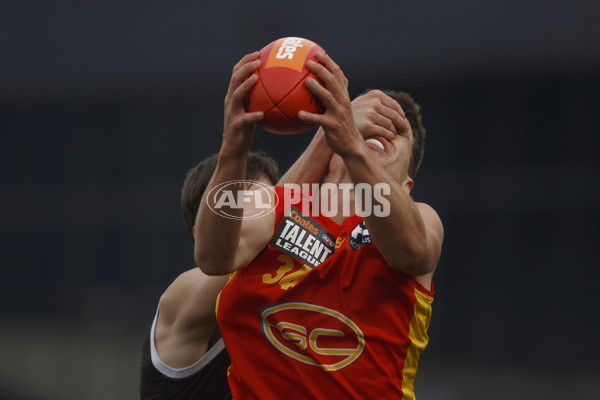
x=313 y=334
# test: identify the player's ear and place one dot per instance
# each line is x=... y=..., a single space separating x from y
x=409 y=183
x=194 y=232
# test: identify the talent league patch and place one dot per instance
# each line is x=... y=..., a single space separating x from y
x=303 y=239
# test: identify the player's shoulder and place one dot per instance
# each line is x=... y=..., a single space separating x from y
x=175 y=294
x=181 y=285
x=430 y=217
x=426 y=208
x=189 y=285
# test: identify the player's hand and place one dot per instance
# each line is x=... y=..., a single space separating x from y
x=377 y=114
x=337 y=121
x=240 y=125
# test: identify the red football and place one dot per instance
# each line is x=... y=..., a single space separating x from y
x=280 y=91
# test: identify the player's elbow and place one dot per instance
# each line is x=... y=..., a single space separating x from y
x=210 y=271
x=208 y=264
x=419 y=256
x=204 y=257
x=413 y=259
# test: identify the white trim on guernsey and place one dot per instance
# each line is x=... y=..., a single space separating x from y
x=179 y=373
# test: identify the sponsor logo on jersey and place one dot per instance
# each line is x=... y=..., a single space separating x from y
x=313 y=334
x=328 y=239
x=290 y=52
x=359 y=236
x=303 y=238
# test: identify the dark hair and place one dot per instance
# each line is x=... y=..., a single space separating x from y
x=197 y=179
x=413 y=115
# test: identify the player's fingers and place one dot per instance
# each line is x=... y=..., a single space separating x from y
x=333 y=68
x=323 y=94
x=390 y=109
x=241 y=76
x=245 y=70
x=393 y=104
x=311 y=118
x=326 y=76
x=381 y=97
x=379 y=118
x=243 y=90
x=247 y=58
x=377 y=130
x=251 y=118
x=320 y=71
x=388 y=102
x=402 y=125
x=386 y=116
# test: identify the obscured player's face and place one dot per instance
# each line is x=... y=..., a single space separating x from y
x=393 y=152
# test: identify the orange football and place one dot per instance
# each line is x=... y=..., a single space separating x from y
x=280 y=91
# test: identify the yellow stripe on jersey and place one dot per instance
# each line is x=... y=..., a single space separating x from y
x=231 y=275
x=419 y=324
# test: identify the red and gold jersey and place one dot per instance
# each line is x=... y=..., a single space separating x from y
x=319 y=314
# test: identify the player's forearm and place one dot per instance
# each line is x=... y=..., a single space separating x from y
x=312 y=164
x=217 y=236
x=398 y=229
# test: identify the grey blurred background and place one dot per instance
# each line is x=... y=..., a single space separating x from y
x=105 y=105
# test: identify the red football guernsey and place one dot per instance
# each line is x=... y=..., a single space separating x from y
x=320 y=315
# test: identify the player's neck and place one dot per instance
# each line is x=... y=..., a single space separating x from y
x=337 y=173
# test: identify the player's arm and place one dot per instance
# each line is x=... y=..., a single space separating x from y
x=312 y=163
x=186 y=320
x=226 y=243
x=409 y=239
